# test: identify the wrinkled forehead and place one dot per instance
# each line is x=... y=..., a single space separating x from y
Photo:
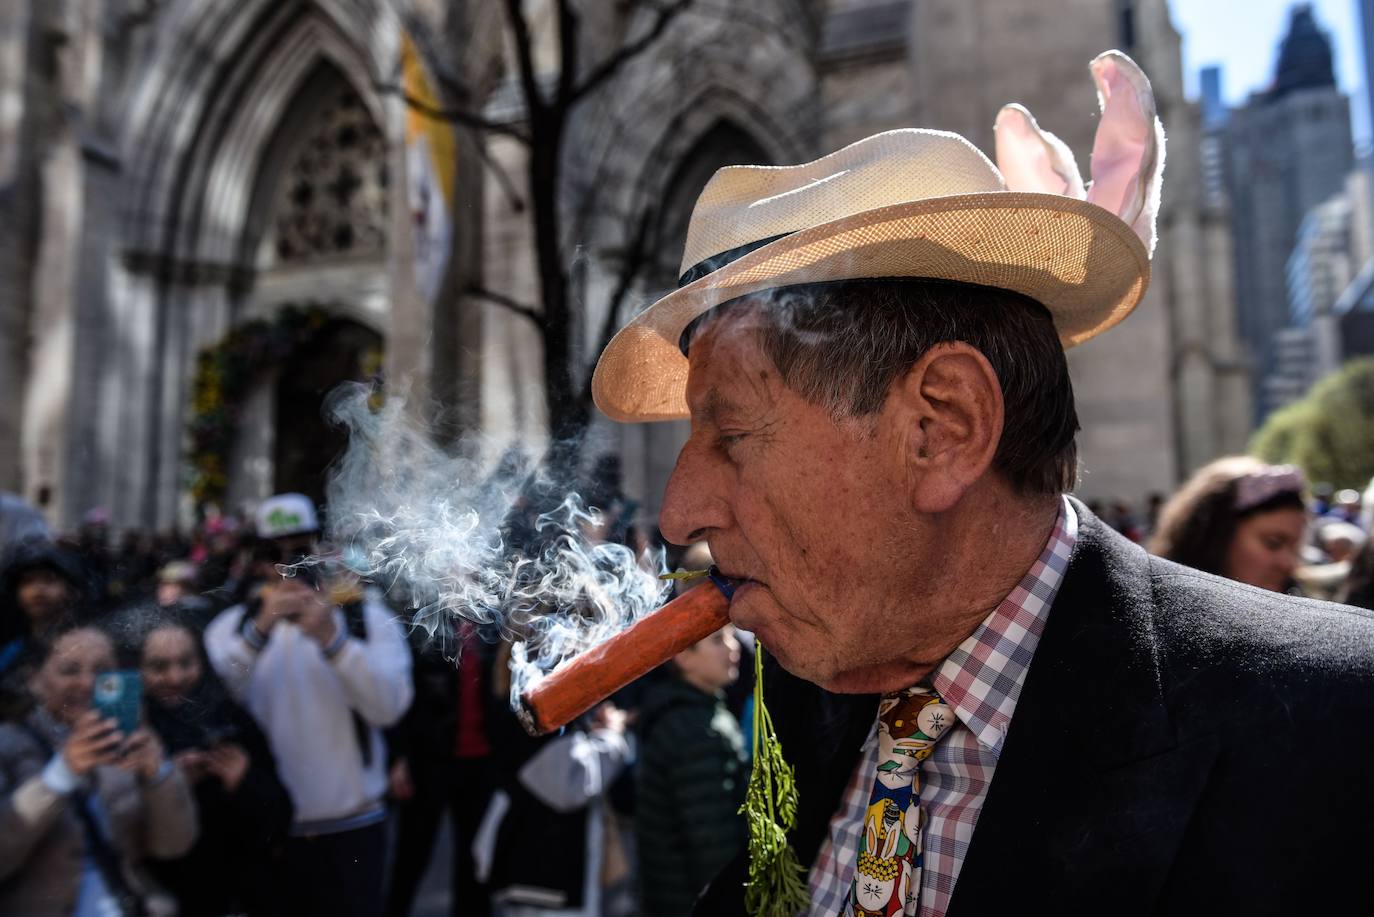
x=743 y=317
x=727 y=369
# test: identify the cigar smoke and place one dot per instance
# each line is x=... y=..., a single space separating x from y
x=454 y=533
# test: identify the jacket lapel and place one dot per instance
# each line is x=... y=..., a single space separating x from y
x=822 y=735
x=1092 y=791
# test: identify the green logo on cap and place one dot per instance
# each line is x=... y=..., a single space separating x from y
x=280 y=518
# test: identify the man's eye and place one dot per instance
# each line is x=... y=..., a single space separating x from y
x=727 y=440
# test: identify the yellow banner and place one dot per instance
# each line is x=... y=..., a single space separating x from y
x=431 y=170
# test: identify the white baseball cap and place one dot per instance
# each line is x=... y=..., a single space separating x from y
x=286 y=514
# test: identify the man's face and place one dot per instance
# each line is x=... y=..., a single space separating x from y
x=809 y=512
x=286 y=550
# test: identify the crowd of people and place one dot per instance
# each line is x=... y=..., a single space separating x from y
x=298 y=744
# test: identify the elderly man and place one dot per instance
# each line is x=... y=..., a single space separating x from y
x=993 y=702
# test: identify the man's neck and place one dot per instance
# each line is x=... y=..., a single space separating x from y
x=981 y=559
x=994 y=557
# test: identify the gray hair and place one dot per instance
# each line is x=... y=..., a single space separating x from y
x=841 y=345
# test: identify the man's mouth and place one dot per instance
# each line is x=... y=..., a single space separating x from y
x=734 y=576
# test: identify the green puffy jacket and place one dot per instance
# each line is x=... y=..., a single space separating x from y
x=691 y=779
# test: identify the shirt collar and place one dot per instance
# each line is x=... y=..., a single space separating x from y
x=982 y=678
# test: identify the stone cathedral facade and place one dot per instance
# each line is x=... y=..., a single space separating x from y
x=259 y=180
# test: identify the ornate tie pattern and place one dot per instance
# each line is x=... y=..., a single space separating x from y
x=887 y=880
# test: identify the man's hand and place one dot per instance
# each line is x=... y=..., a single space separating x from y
x=402 y=787
x=142 y=753
x=280 y=601
x=316 y=615
x=94 y=742
x=295 y=601
x=229 y=762
x=276 y=603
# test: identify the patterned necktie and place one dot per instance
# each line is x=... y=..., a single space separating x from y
x=887 y=880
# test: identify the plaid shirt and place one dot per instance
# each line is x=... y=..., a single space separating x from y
x=981 y=680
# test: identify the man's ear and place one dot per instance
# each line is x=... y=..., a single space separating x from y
x=948 y=412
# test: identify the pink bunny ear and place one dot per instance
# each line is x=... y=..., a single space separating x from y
x=1031 y=159
x=1128 y=151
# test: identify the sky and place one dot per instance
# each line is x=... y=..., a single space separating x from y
x=1243 y=37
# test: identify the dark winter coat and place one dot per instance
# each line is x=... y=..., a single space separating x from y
x=691 y=779
x=21 y=650
x=234 y=866
x=1183 y=745
x=427 y=731
x=24 y=558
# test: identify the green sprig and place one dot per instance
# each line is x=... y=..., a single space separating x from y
x=684 y=575
x=777 y=886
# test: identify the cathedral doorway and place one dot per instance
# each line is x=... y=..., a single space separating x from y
x=317 y=235
x=306 y=444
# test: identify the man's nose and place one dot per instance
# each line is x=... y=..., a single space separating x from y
x=692 y=501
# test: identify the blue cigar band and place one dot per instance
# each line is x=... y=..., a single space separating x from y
x=723 y=583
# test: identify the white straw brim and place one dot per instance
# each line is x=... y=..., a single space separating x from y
x=1083 y=263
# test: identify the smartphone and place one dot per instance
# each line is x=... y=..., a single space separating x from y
x=118 y=696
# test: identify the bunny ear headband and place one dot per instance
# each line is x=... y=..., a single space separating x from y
x=1127 y=157
x=1261 y=486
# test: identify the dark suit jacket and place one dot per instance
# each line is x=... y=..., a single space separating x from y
x=1183 y=744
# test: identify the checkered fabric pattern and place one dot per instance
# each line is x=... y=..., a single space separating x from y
x=981 y=680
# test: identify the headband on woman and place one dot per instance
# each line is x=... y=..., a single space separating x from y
x=1261 y=486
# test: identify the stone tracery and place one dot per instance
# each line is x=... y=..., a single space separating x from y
x=332 y=199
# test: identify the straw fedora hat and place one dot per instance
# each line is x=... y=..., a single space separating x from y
x=915 y=203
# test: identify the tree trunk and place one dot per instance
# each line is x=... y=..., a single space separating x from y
x=568 y=415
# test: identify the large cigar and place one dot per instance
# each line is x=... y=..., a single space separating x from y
x=599 y=672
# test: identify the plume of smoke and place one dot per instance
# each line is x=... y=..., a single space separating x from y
x=464 y=542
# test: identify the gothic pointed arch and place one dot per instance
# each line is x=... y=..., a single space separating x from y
x=724 y=143
x=270 y=164
x=650 y=450
x=196 y=82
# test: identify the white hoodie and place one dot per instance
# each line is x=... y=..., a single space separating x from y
x=304 y=701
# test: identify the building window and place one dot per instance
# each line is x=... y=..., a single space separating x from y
x=1125 y=17
x=332 y=199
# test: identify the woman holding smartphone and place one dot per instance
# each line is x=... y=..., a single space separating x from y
x=245 y=812
x=83 y=805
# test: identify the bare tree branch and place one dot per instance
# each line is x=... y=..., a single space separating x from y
x=506 y=302
x=635 y=256
x=512 y=193
x=567 y=49
x=524 y=55
x=628 y=52
x=455 y=115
